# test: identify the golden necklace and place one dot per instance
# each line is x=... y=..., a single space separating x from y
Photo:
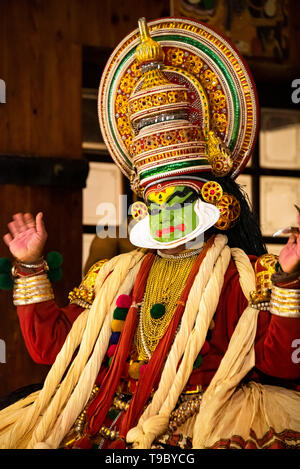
x=166 y=281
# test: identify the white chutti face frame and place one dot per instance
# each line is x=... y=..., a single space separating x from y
x=207 y=214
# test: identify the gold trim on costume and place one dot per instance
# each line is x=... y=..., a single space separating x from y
x=183 y=412
x=264 y=269
x=84 y=294
x=29 y=290
x=285 y=302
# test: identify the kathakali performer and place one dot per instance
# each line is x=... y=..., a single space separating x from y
x=189 y=340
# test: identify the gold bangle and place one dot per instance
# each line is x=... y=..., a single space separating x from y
x=26 y=279
x=29 y=269
x=29 y=290
x=285 y=302
x=284 y=291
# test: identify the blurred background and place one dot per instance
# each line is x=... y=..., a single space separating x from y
x=52 y=156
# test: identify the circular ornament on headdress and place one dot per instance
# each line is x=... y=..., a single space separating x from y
x=211 y=192
x=219 y=88
x=230 y=211
x=139 y=211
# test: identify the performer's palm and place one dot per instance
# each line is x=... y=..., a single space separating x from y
x=27 y=237
x=289 y=257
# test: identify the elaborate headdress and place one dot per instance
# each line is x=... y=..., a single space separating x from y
x=176 y=101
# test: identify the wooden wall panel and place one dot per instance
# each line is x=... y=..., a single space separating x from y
x=42 y=71
x=105 y=23
x=41 y=62
x=294 y=11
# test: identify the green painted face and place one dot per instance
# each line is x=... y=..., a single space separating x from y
x=171 y=213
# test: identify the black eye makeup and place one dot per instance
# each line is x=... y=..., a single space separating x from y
x=191 y=196
x=157 y=208
x=181 y=194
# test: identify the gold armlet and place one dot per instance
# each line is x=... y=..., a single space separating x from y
x=285 y=302
x=33 y=289
x=84 y=294
x=264 y=269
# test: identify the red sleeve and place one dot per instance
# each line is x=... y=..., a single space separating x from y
x=45 y=327
x=274 y=346
x=274 y=336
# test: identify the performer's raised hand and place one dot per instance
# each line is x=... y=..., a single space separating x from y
x=289 y=257
x=27 y=237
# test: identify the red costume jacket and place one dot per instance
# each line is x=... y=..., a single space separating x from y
x=45 y=327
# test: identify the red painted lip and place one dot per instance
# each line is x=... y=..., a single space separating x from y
x=170 y=229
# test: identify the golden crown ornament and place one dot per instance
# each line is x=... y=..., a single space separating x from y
x=177 y=105
x=177 y=102
x=219 y=155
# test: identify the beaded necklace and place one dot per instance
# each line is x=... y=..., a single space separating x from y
x=181 y=255
x=166 y=281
